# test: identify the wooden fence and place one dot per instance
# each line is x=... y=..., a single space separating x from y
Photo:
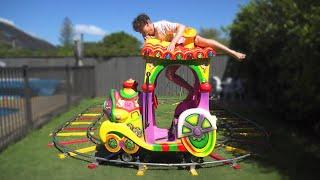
x=31 y=96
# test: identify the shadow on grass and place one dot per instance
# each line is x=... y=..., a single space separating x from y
x=145 y=156
x=152 y=157
x=294 y=154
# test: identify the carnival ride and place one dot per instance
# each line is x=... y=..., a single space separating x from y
x=127 y=127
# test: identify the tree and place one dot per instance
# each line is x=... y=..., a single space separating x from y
x=115 y=44
x=93 y=49
x=210 y=33
x=281 y=39
x=66 y=33
x=120 y=44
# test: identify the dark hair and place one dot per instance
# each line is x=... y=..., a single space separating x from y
x=139 y=22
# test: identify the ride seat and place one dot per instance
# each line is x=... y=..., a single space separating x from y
x=123 y=104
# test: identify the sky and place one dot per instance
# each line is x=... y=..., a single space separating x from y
x=97 y=18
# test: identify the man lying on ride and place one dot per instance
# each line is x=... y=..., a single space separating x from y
x=173 y=33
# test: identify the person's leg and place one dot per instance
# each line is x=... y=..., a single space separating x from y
x=172 y=76
x=204 y=42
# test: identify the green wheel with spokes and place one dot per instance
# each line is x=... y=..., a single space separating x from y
x=198 y=132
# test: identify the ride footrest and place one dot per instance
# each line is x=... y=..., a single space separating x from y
x=141 y=170
x=193 y=171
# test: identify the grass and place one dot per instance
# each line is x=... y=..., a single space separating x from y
x=31 y=158
x=295 y=154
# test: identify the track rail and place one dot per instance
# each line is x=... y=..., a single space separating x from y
x=229 y=122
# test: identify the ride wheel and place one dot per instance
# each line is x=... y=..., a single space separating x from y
x=126 y=157
x=200 y=147
x=112 y=143
x=129 y=146
x=198 y=132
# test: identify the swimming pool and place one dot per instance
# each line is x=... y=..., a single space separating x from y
x=39 y=87
x=4 y=111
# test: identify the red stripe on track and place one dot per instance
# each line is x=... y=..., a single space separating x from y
x=84 y=118
x=218 y=157
x=76 y=141
x=76 y=129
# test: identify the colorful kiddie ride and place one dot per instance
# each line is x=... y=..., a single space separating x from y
x=132 y=127
x=130 y=135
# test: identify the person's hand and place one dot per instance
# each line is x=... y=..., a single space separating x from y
x=171 y=46
x=239 y=56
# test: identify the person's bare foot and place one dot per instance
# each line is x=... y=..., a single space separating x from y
x=239 y=56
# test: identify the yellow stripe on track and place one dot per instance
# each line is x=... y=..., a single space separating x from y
x=80 y=123
x=72 y=134
x=234 y=149
x=83 y=150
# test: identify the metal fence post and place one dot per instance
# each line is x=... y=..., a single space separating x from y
x=93 y=80
x=68 y=90
x=27 y=96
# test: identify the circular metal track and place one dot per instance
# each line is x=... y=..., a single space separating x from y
x=224 y=117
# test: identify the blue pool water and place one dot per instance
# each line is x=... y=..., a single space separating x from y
x=6 y=111
x=40 y=87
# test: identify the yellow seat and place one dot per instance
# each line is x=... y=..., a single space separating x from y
x=189 y=34
x=121 y=115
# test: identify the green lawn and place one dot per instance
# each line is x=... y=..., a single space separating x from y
x=295 y=154
x=30 y=158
